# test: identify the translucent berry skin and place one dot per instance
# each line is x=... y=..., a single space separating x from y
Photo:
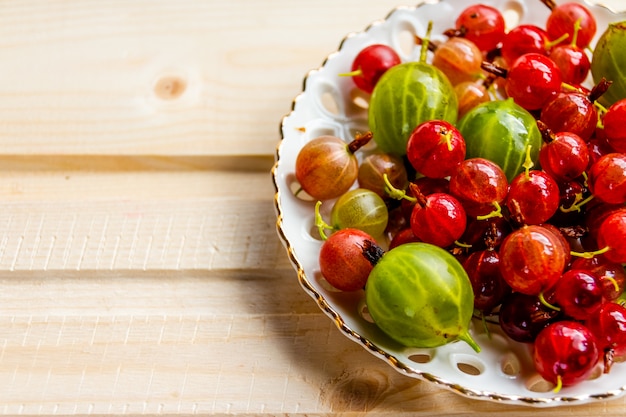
x=484 y=273
x=371 y=63
x=361 y=209
x=460 y=59
x=608 y=324
x=571 y=112
x=565 y=157
x=439 y=221
x=426 y=186
x=534 y=196
x=607 y=178
x=325 y=168
x=533 y=80
x=571 y=192
x=375 y=166
x=495 y=228
x=598 y=147
x=435 y=148
x=483 y=25
x=565 y=245
x=341 y=259
x=405 y=235
x=523 y=316
x=612 y=234
x=565 y=350
x=579 y=293
x=596 y=214
x=469 y=95
x=413 y=305
x=531 y=259
x=502 y=132
x=614 y=121
x=432 y=185
x=405 y=96
x=573 y=63
x=478 y=183
x=610 y=273
x=563 y=18
x=521 y=40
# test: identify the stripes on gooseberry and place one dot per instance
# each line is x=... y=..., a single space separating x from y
x=405 y=96
x=501 y=131
x=441 y=313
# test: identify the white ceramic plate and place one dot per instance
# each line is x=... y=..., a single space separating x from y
x=503 y=371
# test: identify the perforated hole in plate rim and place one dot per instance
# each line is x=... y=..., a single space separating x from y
x=513 y=13
x=510 y=365
x=499 y=377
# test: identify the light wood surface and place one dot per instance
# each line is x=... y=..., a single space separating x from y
x=140 y=268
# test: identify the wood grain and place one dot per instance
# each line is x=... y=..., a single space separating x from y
x=164 y=77
x=140 y=268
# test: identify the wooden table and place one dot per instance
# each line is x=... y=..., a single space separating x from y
x=140 y=268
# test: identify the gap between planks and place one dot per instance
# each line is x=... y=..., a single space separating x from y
x=131 y=163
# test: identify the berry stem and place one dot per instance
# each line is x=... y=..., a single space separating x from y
x=609 y=355
x=528 y=162
x=467 y=338
x=601 y=109
x=357 y=72
x=425 y=42
x=546 y=133
x=359 y=141
x=431 y=46
x=576 y=30
x=589 y=255
x=598 y=90
x=577 y=204
x=495 y=213
x=550 y=44
x=559 y=384
x=490 y=236
x=420 y=199
x=447 y=136
x=515 y=213
x=494 y=69
x=456 y=33
x=320 y=223
x=545 y=302
x=571 y=88
x=396 y=193
x=549 y=3
x=612 y=281
x=372 y=252
x=586 y=179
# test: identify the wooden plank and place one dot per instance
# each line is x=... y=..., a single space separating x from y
x=167 y=78
x=140 y=268
x=149 y=221
x=136 y=364
x=263 y=363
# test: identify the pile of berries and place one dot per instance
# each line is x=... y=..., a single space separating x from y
x=543 y=243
